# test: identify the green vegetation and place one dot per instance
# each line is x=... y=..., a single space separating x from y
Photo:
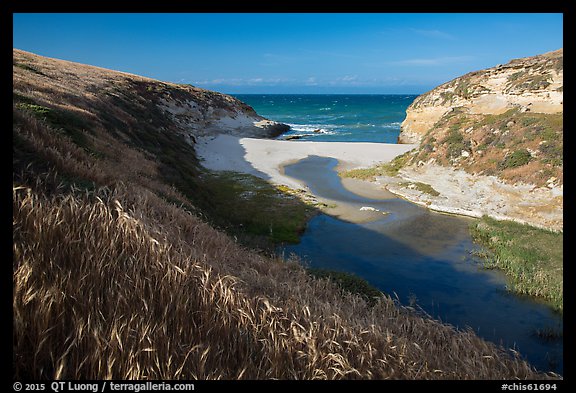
x=454 y=136
x=463 y=89
x=66 y=122
x=350 y=283
x=537 y=82
x=28 y=67
x=552 y=152
x=530 y=138
x=515 y=76
x=446 y=97
x=523 y=80
x=38 y=110
x=528 y=121
x=422 y=187
x=549 y=334
x=455 y=142
x=516 y=159
x=531 y=257
x=365 y=173
x=245 y=204
x=538 y=125
x=546 y=128
x=387 y=169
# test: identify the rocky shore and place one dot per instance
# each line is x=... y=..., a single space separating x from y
x=458 y=192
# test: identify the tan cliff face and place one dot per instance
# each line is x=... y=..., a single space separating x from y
x=533 y=84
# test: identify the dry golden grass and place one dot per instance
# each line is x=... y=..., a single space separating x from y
x=113 y=280
x=121 y=285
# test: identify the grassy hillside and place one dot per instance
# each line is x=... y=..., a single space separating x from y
x=118 y=271
x=118 y=120
x=531 y=257
x=505 y=121
x=515 y=146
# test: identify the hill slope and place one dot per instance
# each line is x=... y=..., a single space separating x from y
x=116 y=273
x=505 y=121
x=532 y=84
x=114 y=97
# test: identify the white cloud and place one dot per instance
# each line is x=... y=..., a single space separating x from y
x=349 y=78
x=311 y=81
x=243 y=81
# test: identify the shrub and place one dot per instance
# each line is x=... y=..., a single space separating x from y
x=517 y=158
x=455 y=143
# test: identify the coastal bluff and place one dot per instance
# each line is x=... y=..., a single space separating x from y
x=491 y=143
x=183 y=109
x=532 y=84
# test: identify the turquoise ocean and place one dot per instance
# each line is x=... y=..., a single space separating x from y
x=334 y=117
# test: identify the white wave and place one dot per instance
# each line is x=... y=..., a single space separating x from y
x=325 y=109
x=317 y=128
x=310 y=130
x=394 y=125
x=314 y=133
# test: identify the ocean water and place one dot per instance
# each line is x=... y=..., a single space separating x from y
x=334 y=117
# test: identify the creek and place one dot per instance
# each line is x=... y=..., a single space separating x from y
x=426 y=260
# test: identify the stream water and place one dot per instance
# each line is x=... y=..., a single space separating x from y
x=423 y=258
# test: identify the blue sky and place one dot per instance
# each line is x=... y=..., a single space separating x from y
x=292 y=53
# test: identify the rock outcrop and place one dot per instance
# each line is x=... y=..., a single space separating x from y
x=532 y=84
x=207 y=113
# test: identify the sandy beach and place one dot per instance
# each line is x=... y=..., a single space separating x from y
x=265 y=157
x=460 y=192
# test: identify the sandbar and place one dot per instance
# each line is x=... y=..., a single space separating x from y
x=265 y=158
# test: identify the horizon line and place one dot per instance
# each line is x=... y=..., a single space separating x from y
x=330 y=94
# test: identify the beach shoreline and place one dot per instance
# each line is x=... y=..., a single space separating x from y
x=265 y=158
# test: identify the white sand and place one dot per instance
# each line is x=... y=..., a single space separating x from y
x=265 y=157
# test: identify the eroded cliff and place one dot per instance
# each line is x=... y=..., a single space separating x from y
x=532 y=84
x=491 y=142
